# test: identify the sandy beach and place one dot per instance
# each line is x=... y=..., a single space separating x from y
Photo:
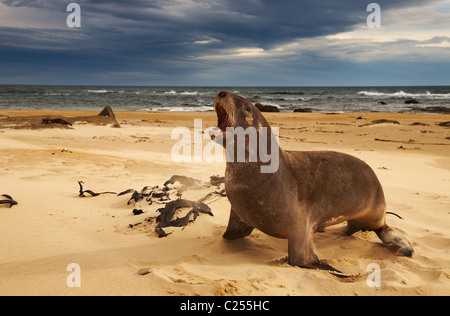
x=52 y=227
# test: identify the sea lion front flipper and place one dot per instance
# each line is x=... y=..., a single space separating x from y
x=236 y=229
x=325 y=267
x=301 y=254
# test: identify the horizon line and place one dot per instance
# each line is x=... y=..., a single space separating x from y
x=223 y=86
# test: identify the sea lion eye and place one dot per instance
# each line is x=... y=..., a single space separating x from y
x=247 y=108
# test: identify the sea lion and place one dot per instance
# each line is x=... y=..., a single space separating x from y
x=308 y=192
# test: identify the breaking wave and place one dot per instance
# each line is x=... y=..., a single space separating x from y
x=99 y=91
x=403 y=94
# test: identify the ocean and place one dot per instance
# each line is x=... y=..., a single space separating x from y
x=318 y=99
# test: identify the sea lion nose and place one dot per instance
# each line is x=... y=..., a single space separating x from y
x=222 y=94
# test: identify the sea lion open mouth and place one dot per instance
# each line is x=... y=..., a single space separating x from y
x=222 y=117
x=223 y=120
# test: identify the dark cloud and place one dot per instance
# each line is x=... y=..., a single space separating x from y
x=159 y=36
x=262 y=23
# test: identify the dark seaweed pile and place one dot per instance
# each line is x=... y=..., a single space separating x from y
x=154 y=194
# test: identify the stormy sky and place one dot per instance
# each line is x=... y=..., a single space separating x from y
x=225 y=43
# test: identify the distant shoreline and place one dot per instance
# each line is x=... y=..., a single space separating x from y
x=434 y=99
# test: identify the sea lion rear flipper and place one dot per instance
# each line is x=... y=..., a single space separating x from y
x=392 y=237
x=236 y=229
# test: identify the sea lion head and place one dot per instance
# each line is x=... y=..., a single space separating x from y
x=235 y=111
x=250 y=137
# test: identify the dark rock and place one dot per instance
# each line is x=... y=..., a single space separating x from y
x=438 y=109
x=267 y=108
x=108 y=112
x=48 y=120
x=411 y=101
x=303 y=110
x=382 y=121
x=418 y=124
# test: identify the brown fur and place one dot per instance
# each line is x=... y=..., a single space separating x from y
x=310 y=191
